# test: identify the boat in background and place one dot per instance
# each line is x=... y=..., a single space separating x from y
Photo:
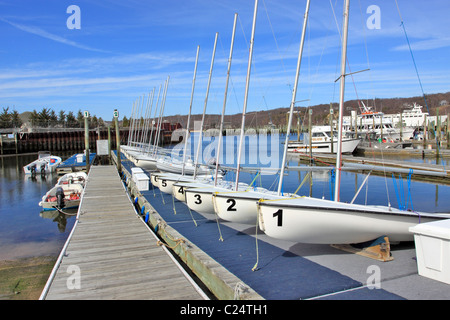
x=371 y=121
x=322 y=141
x=45 y=163
x=73 y=177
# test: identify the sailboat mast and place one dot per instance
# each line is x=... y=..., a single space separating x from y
x=130 y=128
x=341 y=100
x=294 y=95
x=186 y=137
x=250 y=56
x=153 y=123
x=204 y=107
x=163 y=103
x=149 y=118
x=225 y=100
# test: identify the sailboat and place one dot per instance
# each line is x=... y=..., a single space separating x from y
x=240 y=206
x=310 y=220
x=200 y=199
x=145 y=155
x=171 y=173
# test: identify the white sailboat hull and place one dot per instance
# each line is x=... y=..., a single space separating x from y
x=179 y=188
x=201 y=199
x=166 y=181
x=154 y=180
x=167 y=165
x=146 y=163
x=309 y=220
x=241 y=206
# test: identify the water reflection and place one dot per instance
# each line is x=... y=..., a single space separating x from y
x=60 y=218
x=21 y=224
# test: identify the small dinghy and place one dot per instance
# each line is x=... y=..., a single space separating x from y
x=45 y=163
x=66 y=194
x=73 y=177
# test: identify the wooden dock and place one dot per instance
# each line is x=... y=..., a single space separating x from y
x=112 y=254
x=421 y=171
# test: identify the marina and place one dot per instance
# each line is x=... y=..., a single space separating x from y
x=353 y=208
x=246 y=257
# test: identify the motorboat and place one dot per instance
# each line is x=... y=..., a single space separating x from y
x=323 y=140
x=371 y=121
x=62 y=196
x=45 y=163
x=73 y=177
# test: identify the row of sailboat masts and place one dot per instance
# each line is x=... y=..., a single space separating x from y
x=141 y=123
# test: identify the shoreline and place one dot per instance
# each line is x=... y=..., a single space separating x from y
x=25 y=278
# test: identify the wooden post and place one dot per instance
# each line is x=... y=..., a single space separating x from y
x=425 y=127
x=331 y=126
x=381 y=127
x=116 y=122
x=15 y=142
x=438 y=135
x=438 y=127
x=448 y=131
x=401 y=125
x=310 y=136
x=109 y=144
x=86 y=139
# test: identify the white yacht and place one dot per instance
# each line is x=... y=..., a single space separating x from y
x=322 y=139
x=371 y=121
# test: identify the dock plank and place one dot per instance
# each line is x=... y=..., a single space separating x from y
x=115 y=253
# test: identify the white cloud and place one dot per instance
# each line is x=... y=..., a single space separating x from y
x=42 y=33
x=428 y=44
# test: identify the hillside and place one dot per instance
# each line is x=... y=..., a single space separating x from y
x=320 y=112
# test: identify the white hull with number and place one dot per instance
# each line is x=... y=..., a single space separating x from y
x=166 y=181
x=309 y=220
x=201 y=199
x=179 y=188
x=241 y=206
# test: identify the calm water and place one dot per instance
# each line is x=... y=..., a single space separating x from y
x=25 y=231
x=378 y=190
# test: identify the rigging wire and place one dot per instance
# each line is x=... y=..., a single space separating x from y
x=402 y=24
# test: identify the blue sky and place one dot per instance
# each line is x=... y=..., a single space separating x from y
x=124 y=49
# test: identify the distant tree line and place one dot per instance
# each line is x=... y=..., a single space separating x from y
x=47 y=118
x=10 y=119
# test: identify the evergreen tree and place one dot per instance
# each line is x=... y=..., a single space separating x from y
x=80 y=119
x=93 y=122
x=44 y=117
x=101 y=123
x=53 y=118
x=62 y=118
x=16 y=122
x=34 y=118
x=5 y=118
x=125 y=122
x=71 y=120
